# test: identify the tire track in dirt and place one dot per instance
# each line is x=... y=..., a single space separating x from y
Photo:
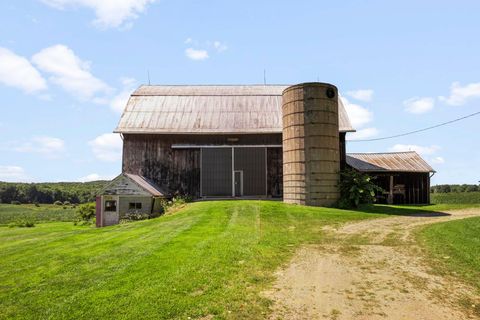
x=371 y=269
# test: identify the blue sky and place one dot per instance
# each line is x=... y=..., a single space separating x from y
x=67 y=67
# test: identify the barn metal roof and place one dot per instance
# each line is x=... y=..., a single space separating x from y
x=388 y=162
x=146 y=185
x=209 y=109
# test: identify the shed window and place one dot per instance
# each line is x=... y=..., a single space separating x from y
x=111 y=205
x=135 y=205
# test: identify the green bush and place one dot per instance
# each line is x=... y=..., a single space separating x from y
x=135 y=216
x=22 y=223
x=16 y=202
x=86 y=212
x=356 y=188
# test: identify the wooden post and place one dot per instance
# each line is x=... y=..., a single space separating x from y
x=98 y=211
x=390 y=191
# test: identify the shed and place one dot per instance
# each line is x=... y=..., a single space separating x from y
x=404 y=176
x=127 y=194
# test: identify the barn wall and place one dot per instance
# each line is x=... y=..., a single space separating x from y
x=343 y=151
x=275 y=172
x=178 y=170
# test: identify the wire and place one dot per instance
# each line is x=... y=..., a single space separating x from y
x=416 y=131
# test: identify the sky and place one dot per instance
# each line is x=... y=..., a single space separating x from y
x=67 y=68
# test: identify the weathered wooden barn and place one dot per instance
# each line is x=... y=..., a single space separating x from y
x=247 y=141
x=211 y=141
x=404 y=176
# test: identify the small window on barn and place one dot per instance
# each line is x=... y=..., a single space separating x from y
x=110 y=205
x=134 y=205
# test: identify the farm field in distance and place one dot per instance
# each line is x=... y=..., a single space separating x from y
x=456 y=197
x=210 y=259
x=10 y=213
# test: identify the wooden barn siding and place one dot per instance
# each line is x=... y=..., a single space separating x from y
x=178 y=170
x=275 y=172
x=343 y=151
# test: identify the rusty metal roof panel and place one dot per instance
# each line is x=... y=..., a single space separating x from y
x=209 y=109
x=147 y=185
x=388 y=162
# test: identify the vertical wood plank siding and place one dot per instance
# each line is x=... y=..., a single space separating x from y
x=275 y=172
x=178 y=170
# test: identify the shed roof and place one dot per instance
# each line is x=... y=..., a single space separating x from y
x=146 y=185
x=388 y=162
x=209 y=109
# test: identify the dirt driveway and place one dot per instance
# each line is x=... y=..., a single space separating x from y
x=382 y=275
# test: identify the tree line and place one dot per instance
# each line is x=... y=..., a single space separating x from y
x=446 y=188
x=73 y=192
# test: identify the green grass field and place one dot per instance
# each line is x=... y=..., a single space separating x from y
x=456 y=197
x=209 y=259
x=45 y=212
x=455 y=248
x=212 y=258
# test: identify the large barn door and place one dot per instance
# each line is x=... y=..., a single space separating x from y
x=252 y=162
x=216 y=172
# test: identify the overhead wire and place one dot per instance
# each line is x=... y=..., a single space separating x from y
x=419 y=130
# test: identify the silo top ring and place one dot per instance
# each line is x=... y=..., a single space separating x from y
x=313 y=84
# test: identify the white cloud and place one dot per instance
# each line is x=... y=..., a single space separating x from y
x=196 y=54
x=109 y=13
x=419 y=105
x=219 y=46
x=459 y=95
x=13 y=174
x=107 y=147
x=364 y=95
x=18 y=72
x=358 y=115
x=119 y=102
x=428 y=150
x=48 y=146
x=95 y=177
x=365 y=133
x=437 y=160
x=188 y=41
x=70 y=72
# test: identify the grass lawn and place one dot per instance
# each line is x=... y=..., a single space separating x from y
x=45 y=212
x=211 y=258
x=455 y=248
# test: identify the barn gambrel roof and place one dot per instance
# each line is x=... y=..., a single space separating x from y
x=208 y=109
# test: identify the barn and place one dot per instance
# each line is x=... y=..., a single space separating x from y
x=236 y=141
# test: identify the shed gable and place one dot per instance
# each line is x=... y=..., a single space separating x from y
x=128 y=184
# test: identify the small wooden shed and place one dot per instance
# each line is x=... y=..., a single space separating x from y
x=404 y=176
x=127 y=193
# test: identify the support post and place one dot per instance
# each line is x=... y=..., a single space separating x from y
x=390 y=191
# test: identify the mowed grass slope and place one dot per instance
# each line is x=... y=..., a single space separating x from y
x=45 y=212
x=211 y=258
x=455 y=248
